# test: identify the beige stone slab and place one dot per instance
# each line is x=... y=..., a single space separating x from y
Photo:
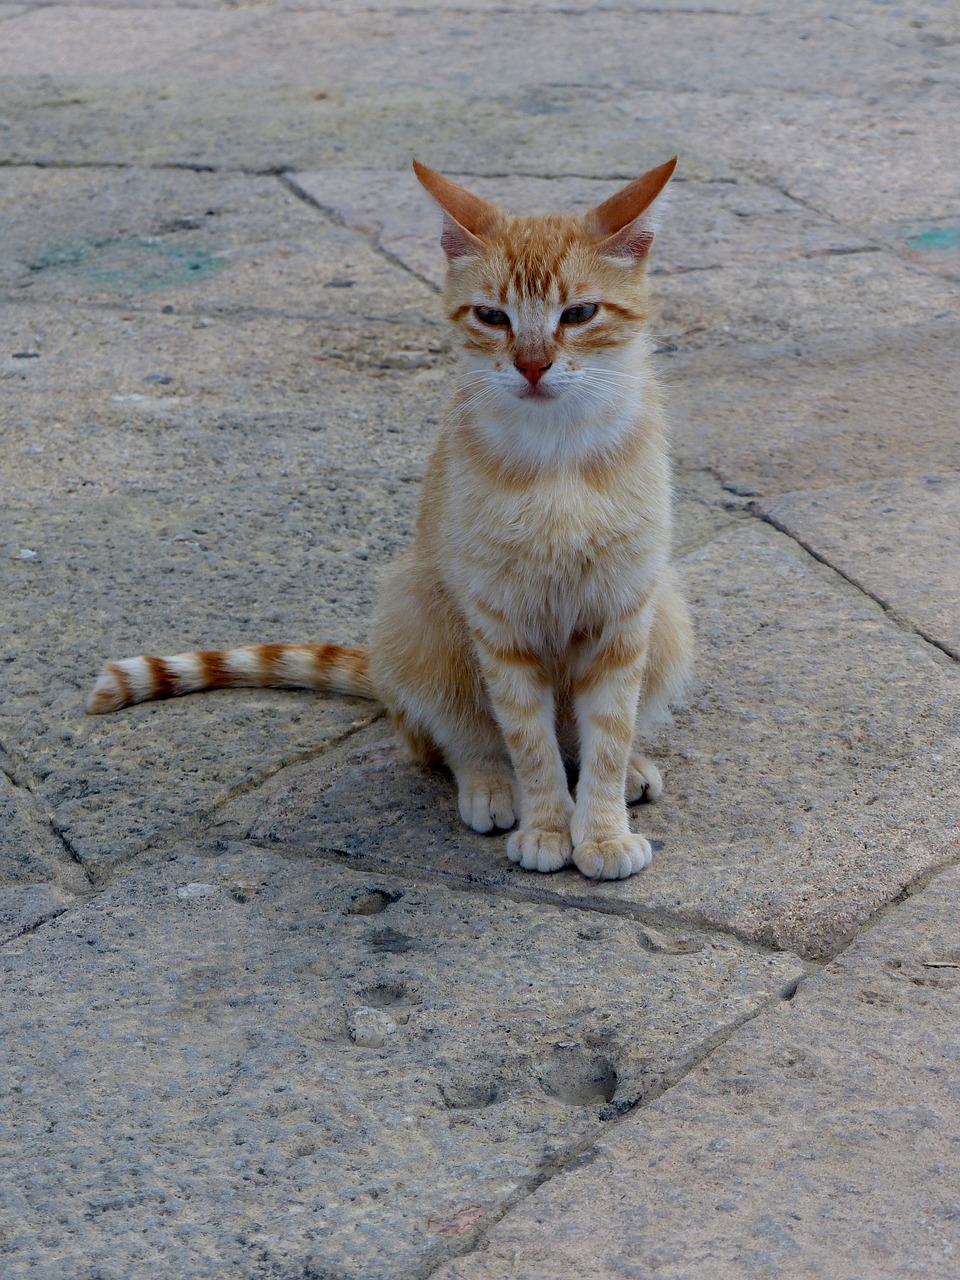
x=818 y=1142
x=180 y=402
x=164 y=571
x=63 y=41
x=897 y=539
x=814 y=774
x=199 y=242
x=235 y=1062
x=819 y=411
x=879 y=162
x=38 y=875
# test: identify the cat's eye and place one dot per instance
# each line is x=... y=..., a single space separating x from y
x=491 y=316
x=579 y=315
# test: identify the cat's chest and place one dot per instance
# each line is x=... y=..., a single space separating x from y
x=555 y=555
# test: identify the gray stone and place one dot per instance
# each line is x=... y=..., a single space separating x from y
x=24 y=907
x=186 y=1065
x=815 y=411
x=879 y=533
x=815 y=773
x=819 y=1141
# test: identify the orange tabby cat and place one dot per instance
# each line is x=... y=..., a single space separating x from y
x=536 y=616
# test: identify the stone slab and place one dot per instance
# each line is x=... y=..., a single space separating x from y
x=815 y=773
x=92 y=413
x=36 y=868
x=818 y=411
x=58 y=40
x=161 y=571
x=177 y=1055
x=141 y=240
x=875 y=161
x=897 y=539
x=818 y=1142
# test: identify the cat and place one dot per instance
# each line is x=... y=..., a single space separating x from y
x=536 y=617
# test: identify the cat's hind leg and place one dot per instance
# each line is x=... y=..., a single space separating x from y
x=425 y=671
x=643 y=778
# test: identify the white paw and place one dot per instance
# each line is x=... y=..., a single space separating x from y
x=643 y=779
x=539 y=850
x=613 y=859
x=486 y=800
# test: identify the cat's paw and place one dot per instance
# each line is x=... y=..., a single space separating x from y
x=540 y=850
x=643 y=779
x=613 y=859
x=485 y=799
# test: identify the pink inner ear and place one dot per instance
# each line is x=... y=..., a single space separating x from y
x=456 y=241
x=633 y=241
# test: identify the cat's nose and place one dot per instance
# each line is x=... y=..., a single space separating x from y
x=532 y=370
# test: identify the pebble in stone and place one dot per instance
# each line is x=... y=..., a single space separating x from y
x=369 y=1028
x=406 y=360
x=196 y=890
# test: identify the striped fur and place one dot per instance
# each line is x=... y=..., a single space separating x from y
x=536 y=618
x=333 y=668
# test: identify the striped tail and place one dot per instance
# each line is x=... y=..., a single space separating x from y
x=336 y=668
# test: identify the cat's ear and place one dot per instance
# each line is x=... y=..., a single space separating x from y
x=623 y=225
x=465 y=217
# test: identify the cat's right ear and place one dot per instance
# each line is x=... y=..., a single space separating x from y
x=465 y=217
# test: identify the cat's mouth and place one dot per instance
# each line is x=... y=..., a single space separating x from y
x=538 y=392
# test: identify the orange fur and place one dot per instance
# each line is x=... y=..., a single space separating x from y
x=536 y=614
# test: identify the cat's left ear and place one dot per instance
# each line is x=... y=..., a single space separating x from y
x=465 y=216
x=624 y=225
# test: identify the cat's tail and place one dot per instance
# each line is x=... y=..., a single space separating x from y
x=335 y=668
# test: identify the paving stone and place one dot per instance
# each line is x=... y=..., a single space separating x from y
x=819 y=1141
x=198 y=242
x=36 y=869
x=813 y=775
x=883 y=169
x=56 y=40
x=177 y=1054
x=249 y=395
x=879 y=533
x=163 y=572
x=819 y=411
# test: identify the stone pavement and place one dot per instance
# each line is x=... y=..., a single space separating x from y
x=267 y=1009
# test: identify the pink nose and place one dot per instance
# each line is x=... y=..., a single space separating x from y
x=532 y=370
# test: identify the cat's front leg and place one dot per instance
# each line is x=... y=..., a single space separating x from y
x=608 y=676
x=522 y=700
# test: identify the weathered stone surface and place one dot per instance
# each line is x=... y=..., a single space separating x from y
x=248 y=396
x=176 y=1054
x=205 y=244
x=158 y=572
x=816 y=411
x=39 y=876
x=819 y=1141
x=878 y=534
x=815 y=773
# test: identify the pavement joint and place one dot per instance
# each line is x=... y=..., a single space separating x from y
x=901 y=620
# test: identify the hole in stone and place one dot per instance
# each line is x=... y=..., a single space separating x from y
x=469 y=1095
x=383 y=995
x=372 y=902
x=579 y=1079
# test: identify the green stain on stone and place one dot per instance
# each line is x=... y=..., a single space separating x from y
x=936 y=238
x=130 y=264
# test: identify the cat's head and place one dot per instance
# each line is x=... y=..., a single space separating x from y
x=549 y=310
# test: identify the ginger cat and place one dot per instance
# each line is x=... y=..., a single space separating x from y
x=536 y=616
